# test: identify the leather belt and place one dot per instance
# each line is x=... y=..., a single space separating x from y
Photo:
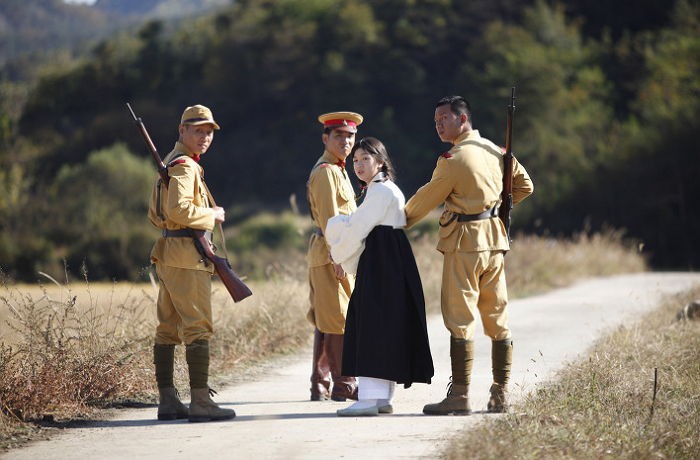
x=489 y=213
x=182 y=233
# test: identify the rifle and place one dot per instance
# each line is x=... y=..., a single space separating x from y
x=507 y=193
x=222 y=266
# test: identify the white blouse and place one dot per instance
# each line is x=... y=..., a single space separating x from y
x=383 y=205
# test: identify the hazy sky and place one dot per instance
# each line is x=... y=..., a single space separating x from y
x=80 y=1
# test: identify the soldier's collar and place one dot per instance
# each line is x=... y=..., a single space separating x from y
x=328 y=157
x=472 y=134
x=179 y=146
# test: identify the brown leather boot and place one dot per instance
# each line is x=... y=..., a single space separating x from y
x=498 y=401
x=344 y=387
x=320 y=371
x=202 y=408
x=501 y=362
x=169 y=405
x=457 y=400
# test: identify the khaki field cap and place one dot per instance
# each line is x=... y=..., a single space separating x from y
x=198 y=115
x=347 y=120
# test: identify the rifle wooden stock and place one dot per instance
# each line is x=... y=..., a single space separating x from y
x=233 y=283
x=507 y=193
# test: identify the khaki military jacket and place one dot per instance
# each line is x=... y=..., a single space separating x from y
x=330 y=193
x=184 y=203
x=468 y=179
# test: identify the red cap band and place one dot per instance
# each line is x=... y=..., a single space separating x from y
x=339 y=122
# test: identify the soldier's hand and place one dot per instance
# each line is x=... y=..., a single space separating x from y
x=339 y=272
x=219 y=214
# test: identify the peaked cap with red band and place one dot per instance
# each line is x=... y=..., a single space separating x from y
x=348 y=120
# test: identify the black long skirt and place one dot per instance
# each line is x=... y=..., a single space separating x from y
x=386 y=335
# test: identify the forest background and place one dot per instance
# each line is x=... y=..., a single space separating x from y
x=606 y=119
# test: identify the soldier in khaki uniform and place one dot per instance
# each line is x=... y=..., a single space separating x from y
x=468 y=179
x=184 y=299
x=330 y=193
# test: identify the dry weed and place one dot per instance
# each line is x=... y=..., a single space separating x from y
x=65 y=359
x=636 y=396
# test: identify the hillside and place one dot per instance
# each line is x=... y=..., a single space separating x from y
x=41 y=26
x=605 y=122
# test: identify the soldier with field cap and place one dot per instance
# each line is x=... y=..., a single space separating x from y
x=184 y=299
x=468 y=179
x=330 y=193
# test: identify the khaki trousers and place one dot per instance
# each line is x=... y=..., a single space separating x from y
x=474 y=283
x=329 y=299
x=184 y=305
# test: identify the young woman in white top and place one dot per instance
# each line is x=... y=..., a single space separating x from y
x=386 y=338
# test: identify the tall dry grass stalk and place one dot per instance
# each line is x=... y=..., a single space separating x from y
x=609 y=404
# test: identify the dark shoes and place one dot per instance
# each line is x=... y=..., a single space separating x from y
x=456 y=402
x=203 y=409
x=498 y=402
x=342 y=391
x=319 y=392
x=169 y=405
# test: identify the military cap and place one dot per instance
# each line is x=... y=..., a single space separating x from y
x=198 y=115
x=348 y=120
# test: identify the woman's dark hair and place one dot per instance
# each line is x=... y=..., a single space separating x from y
x=374 y=146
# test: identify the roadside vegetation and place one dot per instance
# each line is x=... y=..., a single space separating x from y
x=72 y=348
x=636 y=395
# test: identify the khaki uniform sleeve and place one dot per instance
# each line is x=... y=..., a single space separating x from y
x=323 y=188
x=432 y=194
x=187 y=200
x=522 y=184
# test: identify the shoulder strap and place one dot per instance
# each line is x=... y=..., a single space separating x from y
x=177 y=160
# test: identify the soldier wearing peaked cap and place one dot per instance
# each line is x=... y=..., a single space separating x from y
x=184 y=298
x=330 y=193
x=468 y=179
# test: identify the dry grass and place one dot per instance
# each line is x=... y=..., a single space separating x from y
x=79 y=346
x=606 y=406
x=538 y=264
x=66 y=358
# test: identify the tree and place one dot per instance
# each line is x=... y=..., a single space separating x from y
x=563 y=114
x=98 y=213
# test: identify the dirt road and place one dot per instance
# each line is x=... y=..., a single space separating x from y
x=276 y=420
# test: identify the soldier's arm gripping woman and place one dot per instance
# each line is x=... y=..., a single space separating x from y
x=468 y=179
x=184 y=308
x=386 y=337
